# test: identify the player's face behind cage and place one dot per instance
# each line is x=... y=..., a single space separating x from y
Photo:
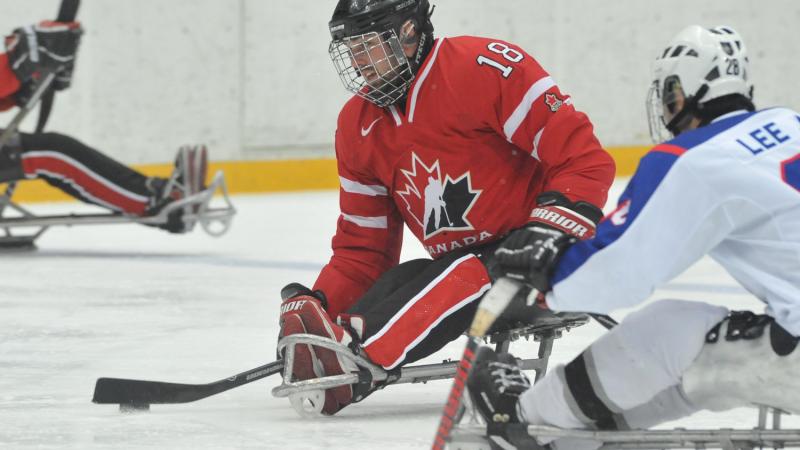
x=663 y=104
x=373 y=66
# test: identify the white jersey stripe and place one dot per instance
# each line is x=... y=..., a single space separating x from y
x=421 y=80
x=397 y=119
x=536 y=139
x=354 y=187
x=367 y=222
x=518 y=116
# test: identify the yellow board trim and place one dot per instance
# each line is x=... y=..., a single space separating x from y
x=277 y=176
x=627 y=158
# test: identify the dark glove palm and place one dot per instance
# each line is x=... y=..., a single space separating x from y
x=530 y=254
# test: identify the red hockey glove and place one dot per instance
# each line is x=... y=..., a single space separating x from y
x=302 y=312
x=48 y=46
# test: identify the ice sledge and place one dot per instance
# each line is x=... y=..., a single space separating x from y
x=197 y=208
x=472 y=433
x=304 y=395
x=474 y=436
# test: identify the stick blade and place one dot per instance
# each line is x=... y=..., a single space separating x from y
x=124 y=391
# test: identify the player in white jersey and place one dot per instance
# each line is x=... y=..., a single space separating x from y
x=727 y=185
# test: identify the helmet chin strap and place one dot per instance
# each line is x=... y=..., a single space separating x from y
x=425 y=46
x=681 y=120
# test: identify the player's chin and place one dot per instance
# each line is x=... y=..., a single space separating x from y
x=381 y=83
x=374 y=80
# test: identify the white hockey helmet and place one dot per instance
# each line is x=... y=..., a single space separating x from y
x=701 y=64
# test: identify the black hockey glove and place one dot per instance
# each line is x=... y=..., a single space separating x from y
x=530 y=254
x=293 y=290
x=48 y=46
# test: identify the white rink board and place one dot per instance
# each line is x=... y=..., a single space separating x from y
x=132 y=302
x=253 y=79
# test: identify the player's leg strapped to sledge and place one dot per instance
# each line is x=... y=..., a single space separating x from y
x=412 y=311
x=665 y=362
x=95 y=178
x=627 y=367
x=83 y=172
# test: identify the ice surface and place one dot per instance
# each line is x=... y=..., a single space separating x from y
x=133 y=302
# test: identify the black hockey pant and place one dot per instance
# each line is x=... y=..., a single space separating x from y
x=416 y=308
x=78 y=170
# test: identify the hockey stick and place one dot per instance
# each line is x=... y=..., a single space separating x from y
x=489 y=309
x=140 y=394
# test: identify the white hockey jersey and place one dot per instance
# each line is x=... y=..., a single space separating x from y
x=730 y=189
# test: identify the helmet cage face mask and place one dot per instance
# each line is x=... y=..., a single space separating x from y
x=662 y=107
x=655 y=114
x=373 y=66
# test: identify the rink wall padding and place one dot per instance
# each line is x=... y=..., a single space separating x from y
x=245 y=177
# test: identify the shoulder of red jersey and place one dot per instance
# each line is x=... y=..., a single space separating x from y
x=356 y=119
x=473 y=63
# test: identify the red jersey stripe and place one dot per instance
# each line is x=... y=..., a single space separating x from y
x=669 y=148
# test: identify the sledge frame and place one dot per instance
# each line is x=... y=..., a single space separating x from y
x=197 y=209
x=544 y=333
x=475 y=435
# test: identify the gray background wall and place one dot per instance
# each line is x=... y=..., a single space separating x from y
x=252 y=78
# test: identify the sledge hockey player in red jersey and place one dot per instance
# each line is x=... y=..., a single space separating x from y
x=465 y=140
x=727 y=185
x=68 y=164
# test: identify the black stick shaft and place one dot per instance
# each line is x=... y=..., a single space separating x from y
x=66 y=13
x=68 y=10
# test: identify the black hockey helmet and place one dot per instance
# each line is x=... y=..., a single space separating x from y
x=354 y=17
x=367 y=46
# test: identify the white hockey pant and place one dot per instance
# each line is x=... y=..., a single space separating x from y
x=738 y=369
x=656 y=366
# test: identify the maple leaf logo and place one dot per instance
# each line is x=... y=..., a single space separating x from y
x=553 y=102
x=434 y=204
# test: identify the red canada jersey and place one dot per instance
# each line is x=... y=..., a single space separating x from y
x=484 y=131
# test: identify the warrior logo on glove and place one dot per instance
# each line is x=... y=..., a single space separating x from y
x=565 y=220
x=441 y=205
